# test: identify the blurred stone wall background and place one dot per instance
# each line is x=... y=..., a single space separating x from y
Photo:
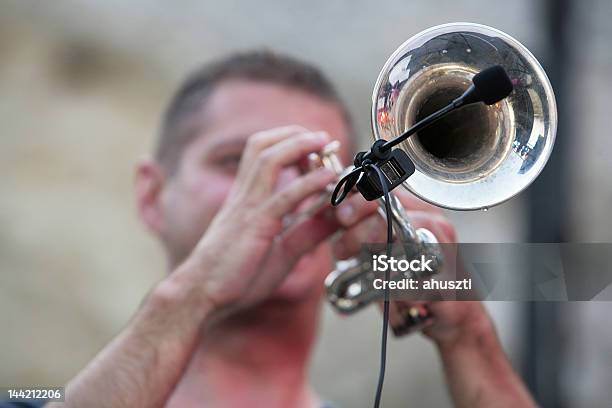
x=82 y=86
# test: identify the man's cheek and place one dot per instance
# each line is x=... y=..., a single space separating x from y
x=210 y=191
x=206 y=206
x=197 y=203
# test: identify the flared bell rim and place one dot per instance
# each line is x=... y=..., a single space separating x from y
x=479 y=194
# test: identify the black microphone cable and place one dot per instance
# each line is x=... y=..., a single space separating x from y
x=348 y=182
x=385 y=327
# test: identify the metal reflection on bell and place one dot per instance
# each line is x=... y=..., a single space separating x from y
x=479 y=155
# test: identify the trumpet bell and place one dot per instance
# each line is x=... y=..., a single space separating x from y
x=479 y=155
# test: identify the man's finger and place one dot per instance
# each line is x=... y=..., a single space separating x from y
x=263 y=175
x=355 y=208
x=260 y=141
x=304 y=237
x=289 y=198
x=368 y=231
x=291 y=150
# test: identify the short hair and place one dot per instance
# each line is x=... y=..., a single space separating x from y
x=178 y=128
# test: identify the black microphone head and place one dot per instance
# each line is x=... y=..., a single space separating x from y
x=492 y=84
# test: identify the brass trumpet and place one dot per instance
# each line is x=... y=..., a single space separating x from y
x=474 y=158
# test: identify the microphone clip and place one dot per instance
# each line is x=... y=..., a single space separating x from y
x=395 y=165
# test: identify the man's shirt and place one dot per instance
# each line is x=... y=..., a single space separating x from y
x=22 y=404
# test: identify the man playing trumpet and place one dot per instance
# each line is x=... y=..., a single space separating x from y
x=234 y=322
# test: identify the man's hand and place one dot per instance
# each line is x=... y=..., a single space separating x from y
x=242 y=258
x=245 y=253
x=476 y=368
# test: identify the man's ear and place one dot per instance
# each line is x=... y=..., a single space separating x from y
x=148 y=186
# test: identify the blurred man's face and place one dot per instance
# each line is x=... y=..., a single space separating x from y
x=236 y=110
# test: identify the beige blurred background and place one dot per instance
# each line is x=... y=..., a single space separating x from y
x=82 y=86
